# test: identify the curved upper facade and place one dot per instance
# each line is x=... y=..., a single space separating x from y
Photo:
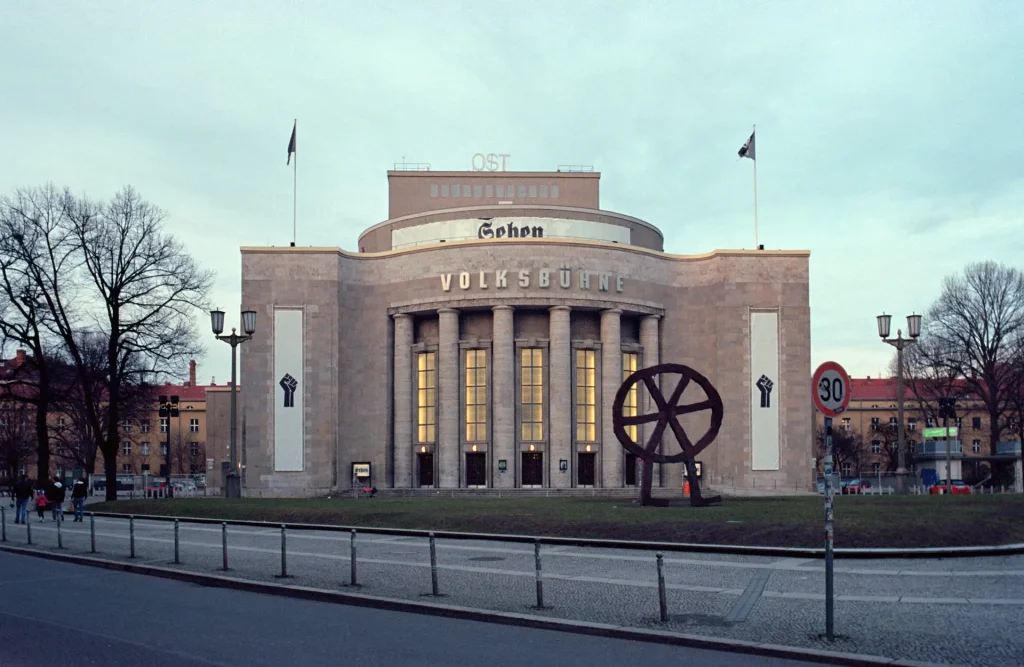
x=429 y=207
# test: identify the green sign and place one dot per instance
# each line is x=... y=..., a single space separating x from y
x=502 y=466
x=940 y=432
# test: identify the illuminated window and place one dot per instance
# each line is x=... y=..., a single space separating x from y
x=532 y=368
x=426 y=397
x=629 y=360
x=586 y=396
x=476 y=395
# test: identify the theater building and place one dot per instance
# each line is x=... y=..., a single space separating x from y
x=477 y=337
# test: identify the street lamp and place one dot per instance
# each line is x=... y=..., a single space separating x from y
x=899 y=342
x=233 y=483
x=168 y=409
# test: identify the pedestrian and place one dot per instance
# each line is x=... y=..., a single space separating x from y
x=79 y=491
x=55 y=497
x=22 y=494
x=41 y=503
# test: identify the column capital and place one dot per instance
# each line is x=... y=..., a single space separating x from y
x=502 y=307
x=559 y=308
x=402 y=316
x=654 y=317
x=612 y=311
x=446 y=311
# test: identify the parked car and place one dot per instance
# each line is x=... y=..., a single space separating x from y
x=958 y=488
x=856 y=486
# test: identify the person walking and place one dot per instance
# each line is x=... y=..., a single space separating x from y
x=22 y=494
x=41 y=503
x=56 y=496
x=79 y=492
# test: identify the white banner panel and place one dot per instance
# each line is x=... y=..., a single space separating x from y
x=289 y=391
x=764 y=391
x=510 y=227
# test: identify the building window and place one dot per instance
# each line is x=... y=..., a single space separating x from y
x=586 y=396
x=893 y=421
x=163 y=424
x=476 y=395
x=478 y=191
x=499 y=191
x=145 y=448
x=126 y=426
x=976 y=423
x=126 y=449
x=874 y=421
x=193 y=425
x=976 y=446
x=489 y=191
x=629 y=360
x=911 y=446
x=554 y=192
x=876 y=468
x=193 y=449
x=465 y=190
x=847 y=469
x=144 y=426
x=543 y=192
x=444 y=189
x=163 y=449
x=456 y=190
x=426 y=397
x=876 y=447
x=959 y=422
x=433 y=189
x=533 y=191
x=928 y=422
x=60 y=422
x=532 y=397
x=912 y=424
x=126 y=468
x=846 y=423
x=522 y=191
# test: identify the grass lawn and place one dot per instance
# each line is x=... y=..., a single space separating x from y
x=861 y=521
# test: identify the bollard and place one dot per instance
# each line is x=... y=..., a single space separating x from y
x=3 y=524
x=540 y=579
x=60 y=536
x=177 y=553
x=224 y=543
x=433 y=566
x=284 y=553
x=353 y=559
x=131 y=536
x=92 y=532
x=662 y=600
x=28 y=531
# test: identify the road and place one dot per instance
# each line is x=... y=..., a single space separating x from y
x=956 y=611
x=54 y=613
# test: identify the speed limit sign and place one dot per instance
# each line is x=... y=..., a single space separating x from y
x=831 y=388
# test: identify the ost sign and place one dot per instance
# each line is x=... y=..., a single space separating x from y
x=490 y=161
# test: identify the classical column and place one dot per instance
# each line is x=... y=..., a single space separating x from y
x=503 y=397
x=403 y=401
x=448 y=398
x=559 y=392
x=651 y=357
x=612 y=453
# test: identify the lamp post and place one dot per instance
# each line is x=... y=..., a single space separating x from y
x=233 y=482
x=899 y=342
x=168 y=409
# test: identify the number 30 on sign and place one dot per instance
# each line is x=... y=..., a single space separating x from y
x=831 y=389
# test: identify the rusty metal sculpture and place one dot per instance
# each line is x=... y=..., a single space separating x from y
x=669 y=410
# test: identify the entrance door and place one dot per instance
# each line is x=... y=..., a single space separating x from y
x=426 y=469
x=476 y=469
x=630 y=469
x=585 y=469
x=533 y=469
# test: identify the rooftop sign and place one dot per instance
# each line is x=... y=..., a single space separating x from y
x=490 y=161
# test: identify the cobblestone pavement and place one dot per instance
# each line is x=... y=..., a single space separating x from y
x=955 y=611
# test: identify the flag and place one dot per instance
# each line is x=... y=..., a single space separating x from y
x=746 y=151
x=291 y=144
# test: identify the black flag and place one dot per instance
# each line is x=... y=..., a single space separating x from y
x=747 y=150
x=291 y=144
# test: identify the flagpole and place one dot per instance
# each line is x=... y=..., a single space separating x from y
x=295 y=181
x=754 y=134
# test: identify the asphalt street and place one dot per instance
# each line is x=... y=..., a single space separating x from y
x=955 y=611
x=54 y=613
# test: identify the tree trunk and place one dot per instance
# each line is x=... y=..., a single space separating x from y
x=42 y=442
x=110 y=470
x=993 y=431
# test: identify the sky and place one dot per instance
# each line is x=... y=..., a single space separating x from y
x=888 y=134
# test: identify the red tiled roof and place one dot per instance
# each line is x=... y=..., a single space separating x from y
x=880 y=389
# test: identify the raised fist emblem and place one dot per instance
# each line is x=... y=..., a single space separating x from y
x=765 y=385
x=288 y=383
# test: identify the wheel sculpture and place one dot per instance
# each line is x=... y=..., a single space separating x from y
x=667 y=415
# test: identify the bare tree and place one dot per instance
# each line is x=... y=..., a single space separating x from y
x=17 y=437
x=847 y=447
x=979 y=319
x=110 y=270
